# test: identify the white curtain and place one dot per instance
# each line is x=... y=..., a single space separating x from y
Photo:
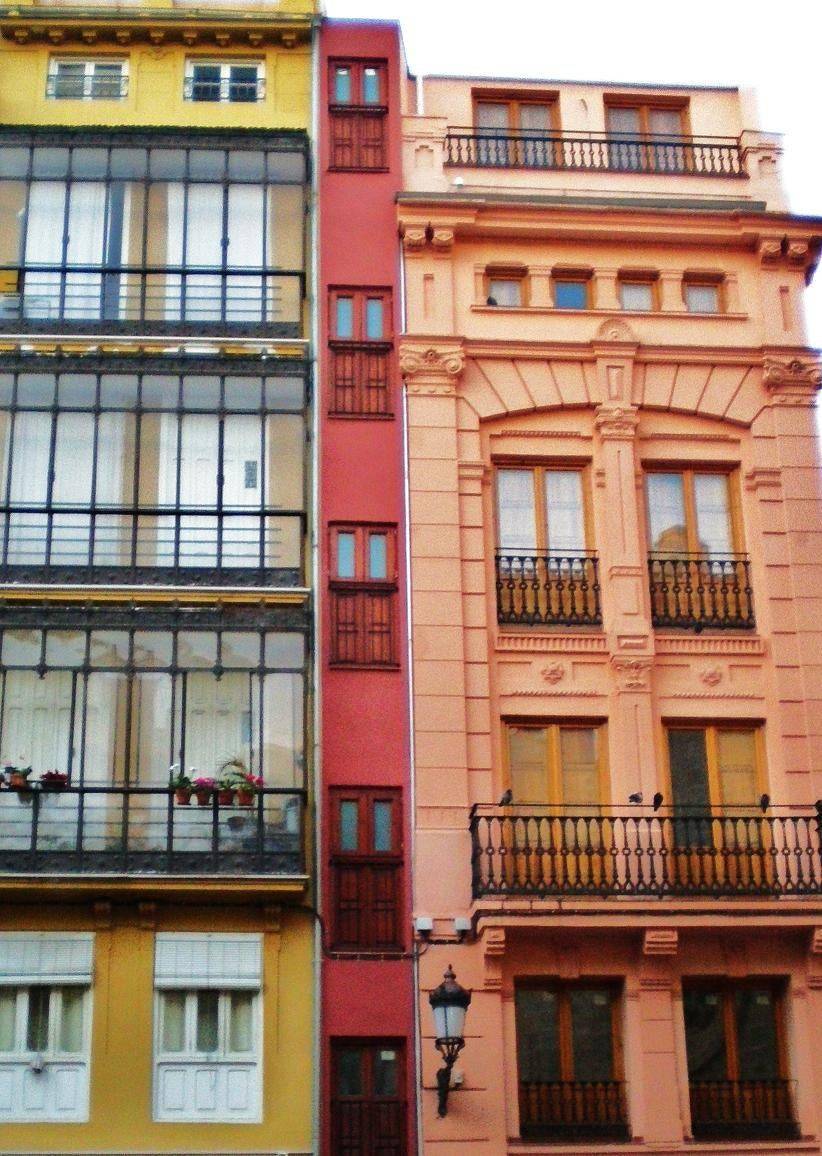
x=564 y=512
x=44 y=246
x=244 y=295
x=196 y=234
x=517 y=526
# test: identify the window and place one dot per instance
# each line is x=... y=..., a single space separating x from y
x=734 y=1039
x=358 y=105
x=562 y=764
x=692 y=512
x=368 y=1105
x=45 y=1026
x=702 y=296
x=569 y=1062
x=646 y=137
x=506 y=287
x=363 y=596
x=714 y=766
x=208 y=1027
x=234 y=82
x=76 y=79
x=516 y=132
x=637 y=292
x=571 y=290
x=367 y=870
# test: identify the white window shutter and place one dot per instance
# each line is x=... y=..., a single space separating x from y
x=45 y=957
x=209 y=960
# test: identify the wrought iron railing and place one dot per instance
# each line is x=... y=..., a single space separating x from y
x=573 y=1110
x=369 y=1125
x=359 y=379
x=231 y=91
x=151 y=544
x=162 y=295
x=103 y=87
x=544 y=851
x=700 y=591
x=116 y=830
x=548 y=590
x=605 y=152
x=743 y=1110
x=363 y=624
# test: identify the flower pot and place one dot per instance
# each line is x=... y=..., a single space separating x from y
x=245 y=798
x=52 y=786
x=203 y=798
x=225 y=797
x=18 y=782
x=182 y=796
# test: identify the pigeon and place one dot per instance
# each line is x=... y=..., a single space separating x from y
x=658 y=800
x=764 y=802
x=636 y=797
x=507 y=798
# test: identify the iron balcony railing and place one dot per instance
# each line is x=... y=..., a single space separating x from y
x=224 y=91
x=162 y=295
x=360 y=1126
x=573 y=1110
x=359 y=379
x=102 y=87
x=707 y=156
x=120 y=830
x=548 y=589
x=743 y=1110
x=185 y=545
x=699 y=591
x=544 y=852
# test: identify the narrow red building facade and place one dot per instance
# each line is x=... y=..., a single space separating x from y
x=367 y=1055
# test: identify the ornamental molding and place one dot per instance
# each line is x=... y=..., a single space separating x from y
x=442 y=240
x=712 y=675
x=632 y=673
x=431 y=368
x=793 y=382
x=552 y=643
x=614 y=331
x=554 y=672
x=553 y=692
x=413 y=240
x=660 y=941
x=673 y=644
x=763 y=478
x=616 y=422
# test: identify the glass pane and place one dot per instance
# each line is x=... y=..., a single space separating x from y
x=345 y=556
x=756 y=1038
x=349 y=825
x=636 y=295
x=527 y=761
x=37 y=1027
x=241 y=1034
x=580 y=772
x=345 y=318
x=535 y=117
x=665 y=121
x=378 y=556
x=350 y=1072
x=736 y=753
x=8 y=1010
x=623 y=120
x=515 y=497
x=374 y=330
x=208 y=1003
x=689 y=769
x=571 y=294
x=505 y=291
x=385 y=1072
x=702 y=298
x=537 y=1036
x=173 y=1013
x=666 y=513
x=370 y=86
x=704 y=1035
x=383 y=812
x=492 y=115
x=713 y=513
x=564 y=512
x=592 y=1042
x=71 y=1020
x=342 y=85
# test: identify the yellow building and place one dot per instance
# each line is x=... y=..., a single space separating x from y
x=156 y=948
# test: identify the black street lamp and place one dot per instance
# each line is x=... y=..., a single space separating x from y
x=449 y=1003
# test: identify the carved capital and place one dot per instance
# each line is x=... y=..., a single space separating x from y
x=413 y=240
x=793 y=382
x=493 y=952
x=431 y=368
x=797 y=252
x=616 y=422
x=770 y=250
x=632 y=673
x=442 y=239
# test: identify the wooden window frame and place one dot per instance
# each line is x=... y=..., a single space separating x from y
x=367 y=862
x=564 y=276
x=365 y=148
x=513 y=273
x=372 y=1110
x=726 y=989
x=360 y=603
x=645 y=106
x=563 y=992
x=553 y=758
x=360 y=367
x=712 y=730
x=515 y=102
x=359 y=296
x=358 y=67
x=363 y=533
x=647 y=277
x=539 y=470
x=688 y=473
x=705 y=280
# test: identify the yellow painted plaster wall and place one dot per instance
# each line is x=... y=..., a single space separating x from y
x=120 y=1114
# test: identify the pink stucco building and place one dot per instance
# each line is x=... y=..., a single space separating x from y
x=614 y=549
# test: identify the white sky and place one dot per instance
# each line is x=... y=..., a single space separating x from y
x=774 y=46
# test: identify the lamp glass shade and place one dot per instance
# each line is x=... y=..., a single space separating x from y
x=449 y=1021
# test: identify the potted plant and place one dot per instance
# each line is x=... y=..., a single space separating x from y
x=203 y=789
x=247 y=787
x=180 y=784
x=19 y=778
x=53 y=781
x=233 y=774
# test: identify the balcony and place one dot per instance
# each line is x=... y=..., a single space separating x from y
x=359 y=379
x=573 y=1110
x=102 y=86
x=743 y=1110
x=699 y=592
x=163 y=298
x=125 y=830
x=544 y=852
x=547 y=590
x=369 y=1125
x=595 y=152
x=224 y=91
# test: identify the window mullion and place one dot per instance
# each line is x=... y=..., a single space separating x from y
x=731 y=1044
x=564 y=1026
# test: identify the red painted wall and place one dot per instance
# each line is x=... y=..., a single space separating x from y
x=364 y=713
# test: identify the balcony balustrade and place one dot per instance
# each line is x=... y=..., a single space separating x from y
x=547 y=590
x=743 y=1110
x=369 y=1125
x=544 y=852
x=112 y=86
x=225 y=90
x=569 y=1110
x=697 y=591
x=125 y=830
x=183 y=297
x=359 y=379
x=597 y=152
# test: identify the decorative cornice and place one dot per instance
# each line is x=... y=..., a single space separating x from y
x=97 y=26
x=793 y=382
